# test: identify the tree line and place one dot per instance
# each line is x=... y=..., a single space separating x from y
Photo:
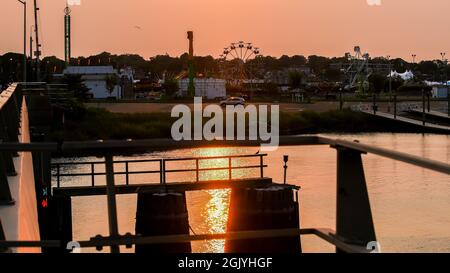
x=161 y=66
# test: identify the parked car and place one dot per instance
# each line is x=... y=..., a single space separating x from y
x=233 y=101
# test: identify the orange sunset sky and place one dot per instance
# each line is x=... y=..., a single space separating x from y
x=324 y=27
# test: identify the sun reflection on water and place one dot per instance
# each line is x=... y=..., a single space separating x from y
x=216 y=215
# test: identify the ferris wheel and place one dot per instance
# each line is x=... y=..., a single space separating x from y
x=241 y=51
x=237 y=62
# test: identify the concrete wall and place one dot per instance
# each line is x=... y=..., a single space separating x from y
x=20 y=221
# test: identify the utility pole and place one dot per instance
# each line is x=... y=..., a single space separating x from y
x=37 y=53
x=67 y=35
x=24 y=3
x=31 y=54
x=390 y=82
x=191 y=87
x=444 y=76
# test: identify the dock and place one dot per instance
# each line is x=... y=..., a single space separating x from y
x=420 y=125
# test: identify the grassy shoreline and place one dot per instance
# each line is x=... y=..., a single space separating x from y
x=98 y=123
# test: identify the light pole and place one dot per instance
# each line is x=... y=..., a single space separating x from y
x=388 y=58
x=414 y=58
x=38 y=46
x=24 y=3
x=444 y=78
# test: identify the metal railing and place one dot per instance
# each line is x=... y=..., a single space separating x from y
x=162 y=168
x=354 y=224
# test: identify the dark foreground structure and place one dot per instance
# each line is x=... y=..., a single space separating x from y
x=263 y=214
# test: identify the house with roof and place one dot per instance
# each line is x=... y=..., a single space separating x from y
x=95 y=78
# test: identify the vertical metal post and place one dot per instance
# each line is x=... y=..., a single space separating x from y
x=58 y=178
x=127 y=178
x=261 y=163
x=163 y=171
x=448 y=100
x=395 y=105
x=31 y=57
x=161 y=178
x=197 y=174
x=354 y=223
x=374 y=103
x=390 y=86
x=112 y=206
x=285 y=160
x=423 y=108
x=230 y=171
x=92 y=174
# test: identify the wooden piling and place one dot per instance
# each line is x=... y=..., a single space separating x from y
x=162 y=214
x=263 y=209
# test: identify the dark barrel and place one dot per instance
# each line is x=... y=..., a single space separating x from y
x=263 y=209
x=160 y=214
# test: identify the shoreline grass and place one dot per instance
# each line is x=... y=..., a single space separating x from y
x=98 y=123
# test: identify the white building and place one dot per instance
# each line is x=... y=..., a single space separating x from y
x=94 y=77
x=440 y=91
x=207 y=88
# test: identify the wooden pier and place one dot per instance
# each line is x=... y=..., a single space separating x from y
x=419 y=124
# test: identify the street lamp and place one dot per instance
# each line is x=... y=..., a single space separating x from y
x=414 y=58
x=444 y=64
x=388 y=58
x=24 y=3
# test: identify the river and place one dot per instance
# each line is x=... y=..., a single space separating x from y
x=410 y=205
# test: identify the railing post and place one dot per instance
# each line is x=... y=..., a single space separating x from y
x=127 y=178
x=112 y=205
x=230 y=171
x=92 y=174
x=161 y=170
x=197 y=170
x=354 y=223
x=261 y=163
x=58 y=178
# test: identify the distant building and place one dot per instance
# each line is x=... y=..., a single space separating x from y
x=281 y=77
x=204 y=87
x=94 y=77
x=440 y=91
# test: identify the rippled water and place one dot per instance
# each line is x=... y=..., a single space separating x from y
x=410 y=205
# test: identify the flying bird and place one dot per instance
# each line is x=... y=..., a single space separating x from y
x=138 y=27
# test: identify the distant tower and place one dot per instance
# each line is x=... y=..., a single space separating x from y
x=67 y=36
x=191 y=87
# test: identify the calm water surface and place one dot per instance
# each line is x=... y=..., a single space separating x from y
x=410 y=205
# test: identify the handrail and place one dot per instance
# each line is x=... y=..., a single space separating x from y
x=398 y=156
x=162 y=170
x=112 y=146
x=129 y=240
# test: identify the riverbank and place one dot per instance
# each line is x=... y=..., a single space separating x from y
x=98 y=123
